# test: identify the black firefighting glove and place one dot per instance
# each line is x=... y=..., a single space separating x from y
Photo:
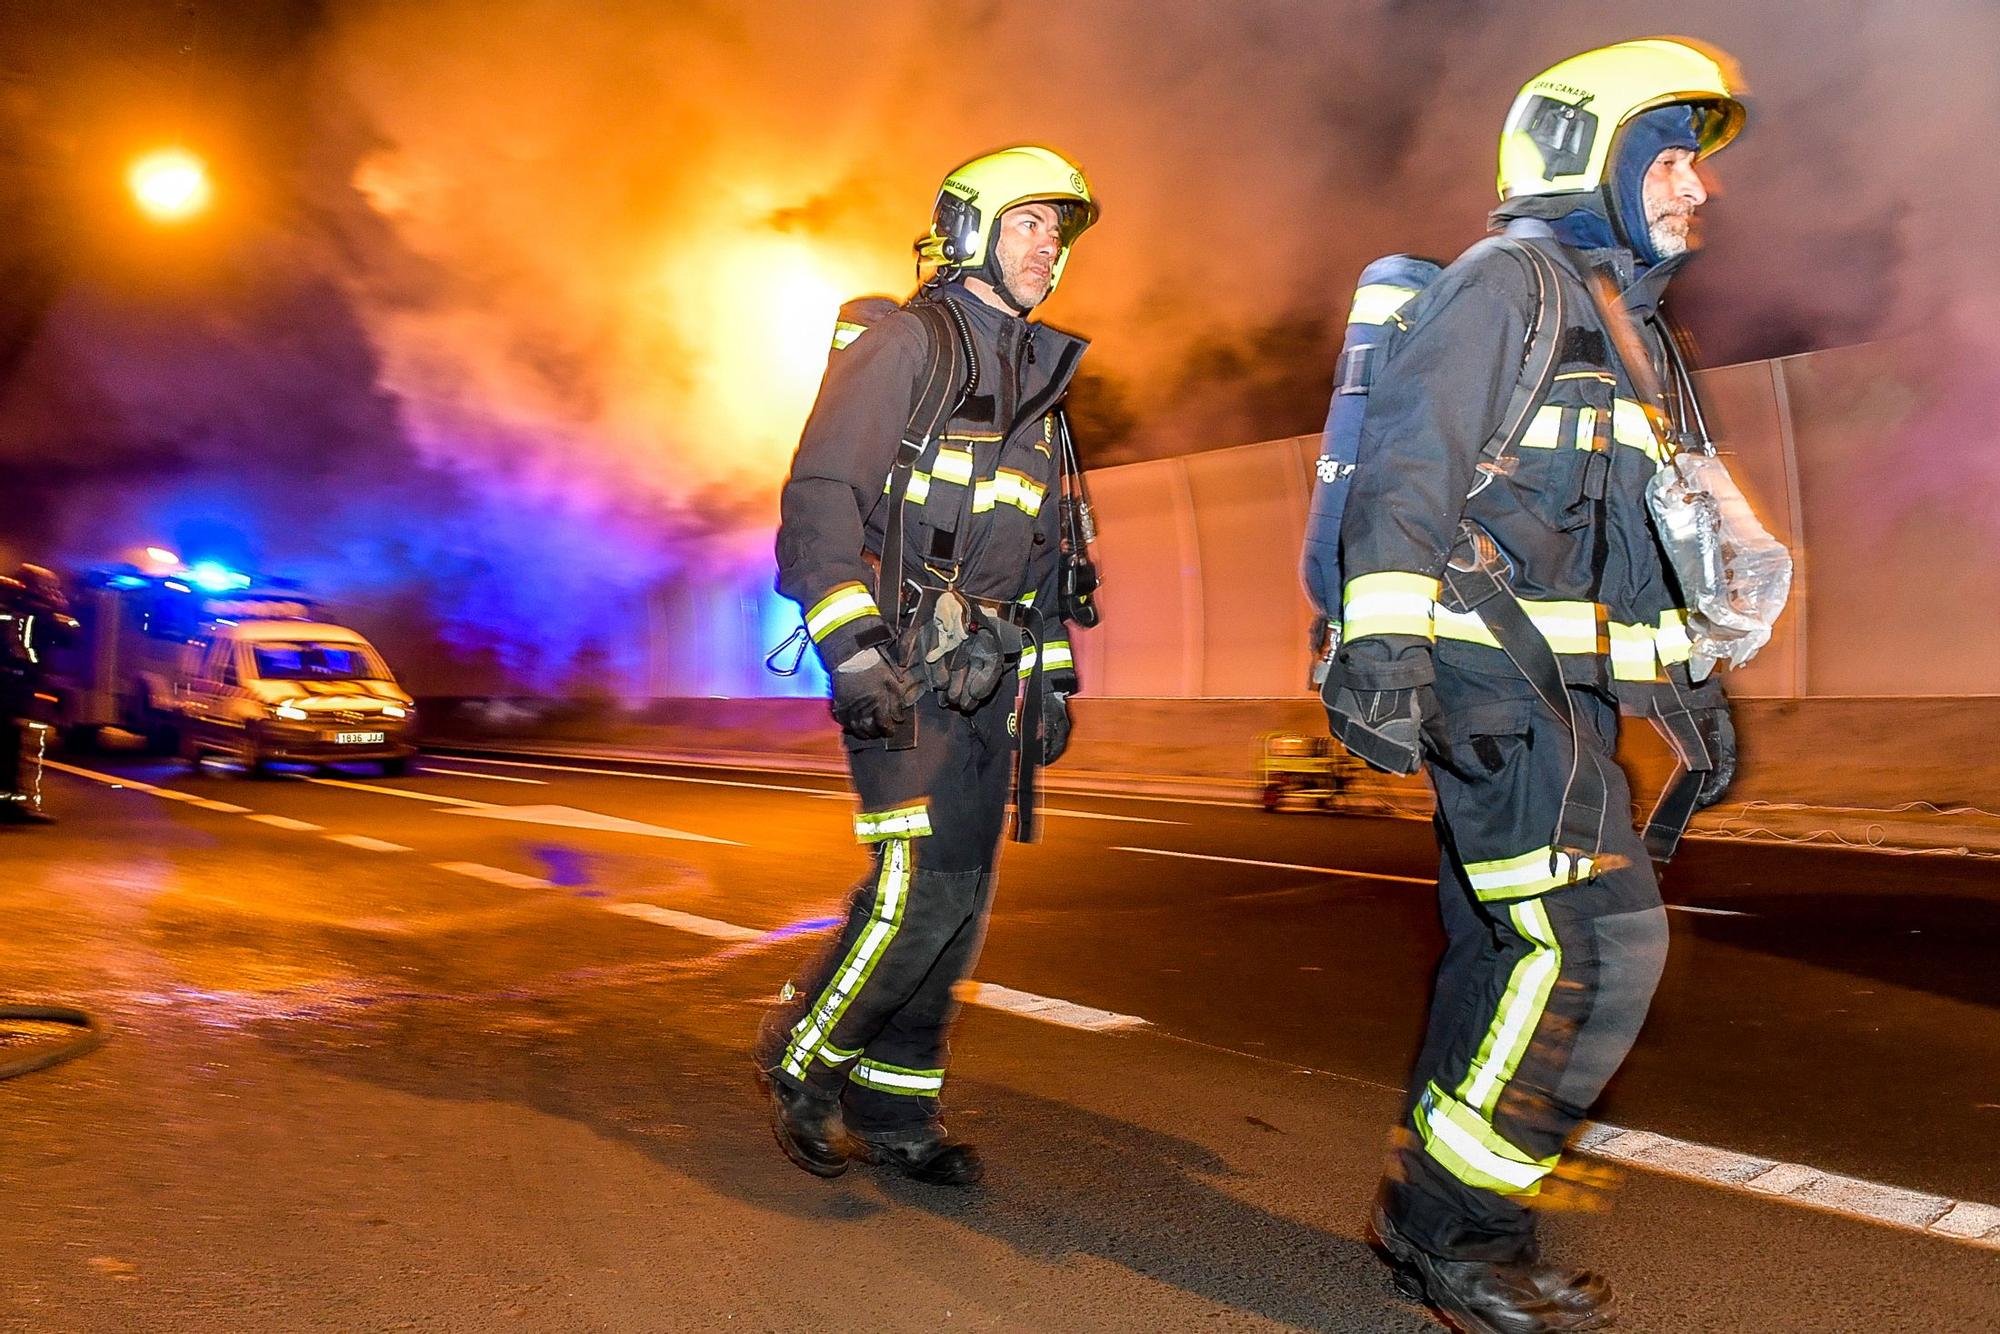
x=1718 y=733
x=972 y=670
x=872 y=695
x=1384 y=728
x=1055 y=725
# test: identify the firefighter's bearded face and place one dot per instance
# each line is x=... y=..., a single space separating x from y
x=1673 y=191
x=1030 y=239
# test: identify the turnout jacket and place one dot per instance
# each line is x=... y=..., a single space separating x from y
x=1568 y=511
x=999 y=446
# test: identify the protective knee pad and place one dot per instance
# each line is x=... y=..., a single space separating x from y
x=1631 y=952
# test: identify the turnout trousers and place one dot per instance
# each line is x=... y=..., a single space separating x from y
x=869 y=1021
x=1550 y=964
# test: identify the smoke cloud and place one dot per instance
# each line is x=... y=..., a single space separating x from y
x=535 y=295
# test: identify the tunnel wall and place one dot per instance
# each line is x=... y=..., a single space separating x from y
x=1854 y=458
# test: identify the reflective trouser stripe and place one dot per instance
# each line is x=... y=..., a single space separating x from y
x=833 y=1055
x=1674 y=643
x=1057 y=654
x=892 y=892
x=1570 y=627
x=1376 y=302
x=1467 y=1146
x=847 y=602
x=1634 y=652
x=1389 y=603
x=1521 y=1008
x=903 y=822
x=898 y=1079
x=1527 y=875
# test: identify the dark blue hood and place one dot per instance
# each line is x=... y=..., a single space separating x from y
x=1640 y=142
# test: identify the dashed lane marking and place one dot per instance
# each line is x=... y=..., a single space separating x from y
x=1046 y=1009
x=495 y=875
x=287 y=822
x=686 y=921
x=167 y=793
x=1707 y=912
x=569 y=817
x=1283 y=866
x=409 y=794
x=490 y=778
x=656 y=778
x=1965 y=1221
x=1099 y=815
x=367 y=844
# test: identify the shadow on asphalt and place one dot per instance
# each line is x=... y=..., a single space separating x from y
x=1941 y=945
x=1062 y=1182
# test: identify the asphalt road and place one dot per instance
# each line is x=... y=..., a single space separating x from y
x=464 y=1051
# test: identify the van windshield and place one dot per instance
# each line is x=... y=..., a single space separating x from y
x=305 y=661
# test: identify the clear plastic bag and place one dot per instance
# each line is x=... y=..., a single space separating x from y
x=1735 y=575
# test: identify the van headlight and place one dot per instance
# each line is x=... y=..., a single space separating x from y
x=395 y=711
x=291 y=713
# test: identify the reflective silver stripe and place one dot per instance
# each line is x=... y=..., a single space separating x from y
x=1632 y=425
x=848 y=602
x=1570 y=627
x=1059 y=657
x=845 y=332
x=952 y=465
x=903 y=822
x=1544 y=428
x=1390 y=602
x=896 y=1079
x=1634 y=656
x=1528 y=874
x=1007 y=487
x=891 y=889
x=1377 y=302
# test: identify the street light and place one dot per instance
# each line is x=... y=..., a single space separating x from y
x=170 y=184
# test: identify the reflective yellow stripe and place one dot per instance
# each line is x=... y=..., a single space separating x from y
x=1570 y=627
x=920 y=488
x=845 y=332
x=1633 y=653
x=1603 y=377
x=902 y=822
x=1465 y=1145
x=898 y=1079
x=1007 y=487
x=1674 y=643
x=1389 y=603
x=953 y=465
x=847 y=602
x=1059 y=657
x=1377 y=302
x=1544 y=428
x=975 y=437
x=892 y=892
x=1521 y=1007
x=1527 y=875
x=1632 y=424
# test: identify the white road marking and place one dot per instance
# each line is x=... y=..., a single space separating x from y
x=568 y=817
x=1707 y=912
x=491 y=778
x=1283 y=866
x=1796 y=1183
x=367 y=844
x=495 y=875
x=683 y=921
x=1099 y=815
x=657 y=778
x=410 y=794
x=165 y=793
x=286 y=822
x=1047 y=1009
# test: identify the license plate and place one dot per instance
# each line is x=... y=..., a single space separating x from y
x=360 y=738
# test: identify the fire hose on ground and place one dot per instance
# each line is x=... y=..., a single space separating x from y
x=88 y=1036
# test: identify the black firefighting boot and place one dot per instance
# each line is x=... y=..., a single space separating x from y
x=925 y=1154
x=806 y=1123
x=1488 y=1297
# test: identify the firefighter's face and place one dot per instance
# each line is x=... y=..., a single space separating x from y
x=1030 y=239
x=1673 y=191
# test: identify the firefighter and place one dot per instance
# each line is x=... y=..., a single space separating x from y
x=932 y=580
x=34 y=617
x=1499 y=607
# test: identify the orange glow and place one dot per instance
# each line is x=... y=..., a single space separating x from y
x=169 y=184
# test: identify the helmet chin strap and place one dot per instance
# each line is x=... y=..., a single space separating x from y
x=990 y=271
